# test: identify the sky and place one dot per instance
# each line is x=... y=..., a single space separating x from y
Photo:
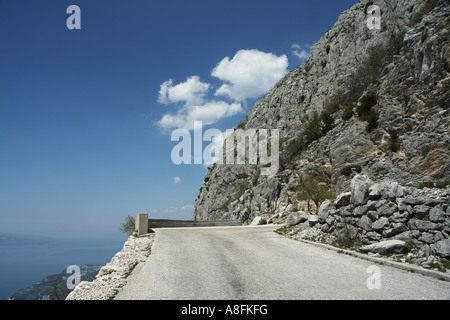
x=86 y=114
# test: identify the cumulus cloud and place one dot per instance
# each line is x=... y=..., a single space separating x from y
x=301 y=51
x=249 y=74
x=209 y=113
x=192 y=91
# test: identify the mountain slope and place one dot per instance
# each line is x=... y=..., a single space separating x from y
x=371 y=101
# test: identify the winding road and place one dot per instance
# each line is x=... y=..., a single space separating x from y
x=255 y=263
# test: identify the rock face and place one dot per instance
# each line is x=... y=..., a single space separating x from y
x=112 y=276
x=390 y=217
x=382 y=101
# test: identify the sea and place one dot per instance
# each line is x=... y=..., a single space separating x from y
x=26 y=260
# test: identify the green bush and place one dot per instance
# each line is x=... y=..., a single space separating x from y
x=128 y=226
x=346 y=171
x=313 y=129
x=317 y=126
x=369 y=69
x=327 y=122
x=348 y=112
x=312 y=188
x=427 y=7
x=366 y=113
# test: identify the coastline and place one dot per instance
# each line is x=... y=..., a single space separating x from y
x=113 y=275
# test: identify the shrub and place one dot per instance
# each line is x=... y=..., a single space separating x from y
x=313 y=129
x=366 y=113
x=239 y=189
x=395 y=146
x=293 y=149
x=312 y=188
x=241 y=125
x=346 y=171
x=348 y=112
x=327 y=122
x=128 y=226
x=368 y=71
x=427 y=7
x=317 y=126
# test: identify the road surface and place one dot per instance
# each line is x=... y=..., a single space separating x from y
x=253 y=262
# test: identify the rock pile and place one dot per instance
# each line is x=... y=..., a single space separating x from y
x=386 y=211
x=112 y=276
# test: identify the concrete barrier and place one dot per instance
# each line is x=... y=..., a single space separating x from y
x=168 y=223
x=141 y=223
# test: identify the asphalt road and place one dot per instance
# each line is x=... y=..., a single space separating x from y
x=241 y=263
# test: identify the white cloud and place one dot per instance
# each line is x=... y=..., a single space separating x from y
x=171 y=210
x=209 y=113
x=187 y=207
x=176 y=180
x=191 y=91
x=249 y=74
x=301 y=52
x=183 y=212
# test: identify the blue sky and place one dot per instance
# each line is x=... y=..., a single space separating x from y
x=86 y=115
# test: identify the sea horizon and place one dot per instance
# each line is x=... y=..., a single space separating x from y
x=26 y=260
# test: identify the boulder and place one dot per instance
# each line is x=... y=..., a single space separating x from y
x=365 y=223
x=296 y=218
x=343 y=199
x=359 y=211
x=385 y=247
x=373 y=215
x=442 y=248
x=387 y=209
x=437 y=214
x=422 y=225
x=380 y=224
x=258 y=221
x=312 y=220
x=385 y=190
x=359 y=187
x=421 y=211
x=324 y=210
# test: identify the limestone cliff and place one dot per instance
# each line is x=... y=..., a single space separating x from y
x=369 y=101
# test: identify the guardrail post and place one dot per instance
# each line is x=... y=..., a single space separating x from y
x=141 y=223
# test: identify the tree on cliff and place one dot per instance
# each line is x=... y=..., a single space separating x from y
x=128 y=226
x=312 y=188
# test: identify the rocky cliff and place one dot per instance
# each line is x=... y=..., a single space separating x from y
x=366 y=101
